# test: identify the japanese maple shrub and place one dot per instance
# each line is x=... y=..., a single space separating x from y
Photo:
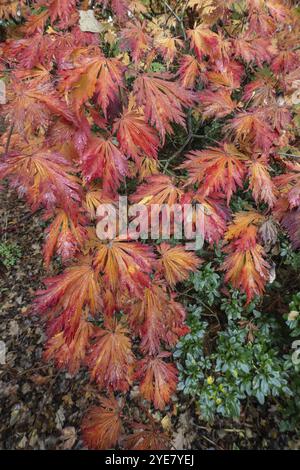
x=165 y=102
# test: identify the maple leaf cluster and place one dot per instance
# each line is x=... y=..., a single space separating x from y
x=88 y=112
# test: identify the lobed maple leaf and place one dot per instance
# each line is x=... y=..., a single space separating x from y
x=35 y=23
x=216 y=169
x=99 y=76
x=175 y=316
x=67 y=294
x=176 y=263
x=147 y=318
x=34 y=51
x=167 y=46
x=261 y=184
x=146 y=437
x=119 y=7
x=102 y=426
x=103 y=159
x=260 y=22
x=230 y=76
x=254 y=49
x=124 y=264
x=135 y=38
x=261 y=91
x=246 y=267
x=205 y=42
x=252 y=126
x=69 y=354
x=158 y=379
x=158 y=189
x=289 y=185
x=110 y=358
x=148 y=168
x=213 y=215
x=135 y=136
x=189 y=71
x=242 y=221
x=245 y=264
x=45 y=177
x=93 y=198
x=32 y=104
x=163 y=101
x=61 y=10
x=285 y=61
x=64 y=235
x=216 y=104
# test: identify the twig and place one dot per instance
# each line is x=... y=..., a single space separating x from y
x=176 y=154
x=195 y=136
x=212 y=442
x=180 y=20
x=289 y=155
x=9 y=139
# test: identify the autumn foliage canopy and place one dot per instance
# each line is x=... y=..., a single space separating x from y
x=93 y=114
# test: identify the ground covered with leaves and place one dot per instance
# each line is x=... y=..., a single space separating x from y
x=42 y=408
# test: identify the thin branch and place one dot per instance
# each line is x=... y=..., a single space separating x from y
x=196 y=136
x=9 y=139
x=291 y=155
x=176 y=154
x=180 y=20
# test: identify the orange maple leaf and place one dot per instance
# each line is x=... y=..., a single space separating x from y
x=176 y=263
x=72 y=354
x=44 y=176
x=158 y=379
x=213 y=214
x=66 y=296
x=261 y=184
x=146 y=437
x=167 y=46
x=94 y=197
x=62 y=10
x=205 y=42
x=124 y=264
x=99 y=76
x=254 y=49
x=158 y=189
x=102 y=426
x=163 y=101
x=135 y=136
x=32 y=104
x=189 y=71
x=242 y=221
x=103 y=159
x=245 y=264
x=135 y=39
x=10 y=8
x=216 y=103
x=252 y=127
x=147 y=318
x=64 y=235
x=216 y=169
x=110 y=358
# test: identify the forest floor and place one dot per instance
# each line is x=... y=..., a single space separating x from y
x=41 y=408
